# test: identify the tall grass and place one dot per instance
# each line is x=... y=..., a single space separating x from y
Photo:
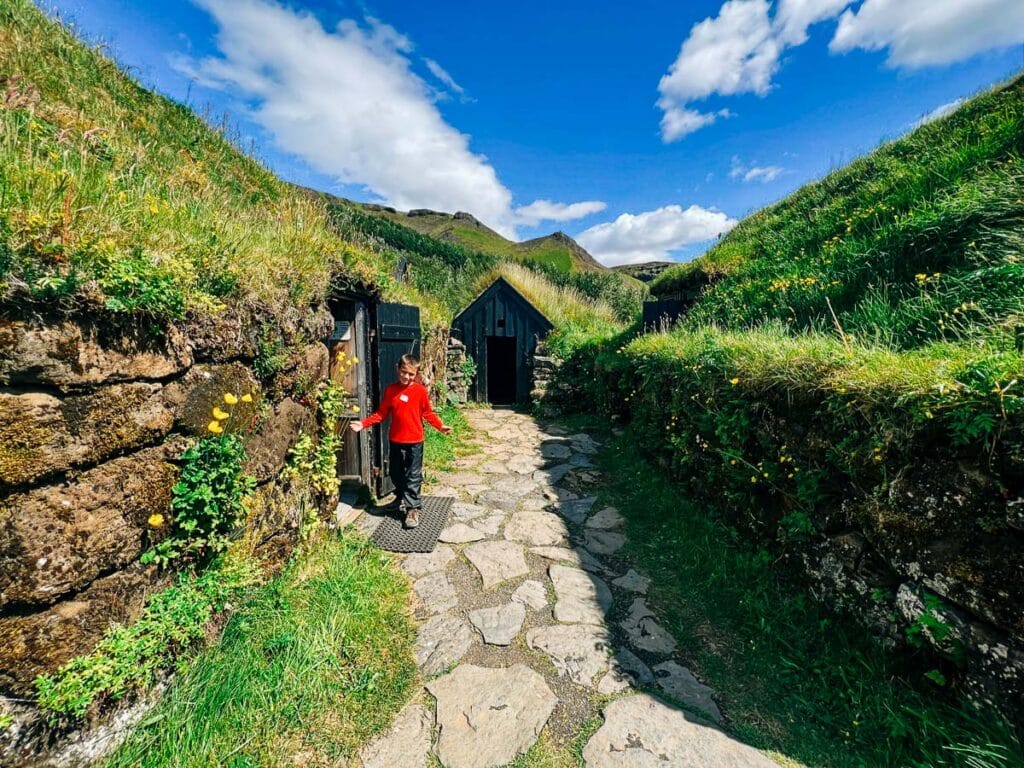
x=318 y=662
x=111 y=191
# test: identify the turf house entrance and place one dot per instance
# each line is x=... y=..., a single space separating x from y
x=501 y=330
x=377 y=334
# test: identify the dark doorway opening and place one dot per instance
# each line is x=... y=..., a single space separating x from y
x=501 y=370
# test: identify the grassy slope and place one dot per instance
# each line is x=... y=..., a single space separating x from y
x=920 y=241
x=110 y=191
x=550 y=250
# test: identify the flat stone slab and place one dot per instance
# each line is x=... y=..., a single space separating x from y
x=421 y=563
x=578 y=651
x=583 y=443
x=498 y=500
x=463 y=478
x=536 y=527
x=604 y=542
x=552 y=475
x=580 y=558
x=642 y=732
x=555 y=449
x=460 y=533
x=532 y=594
x=581 y=597
x=441 y=642
x=436 y=592
x=559 y=494
x=525 y=464
x=576 y=510
x=606 y=518
x=644 y=631
x=499 y=625
x=533 y=502
x=494 y=467
x=633 y=581
x=490 y=524
x=464 y=511
x=677 y=681
x=497 y=561
x=407 y=742
x=514 y=486
x=488 y=716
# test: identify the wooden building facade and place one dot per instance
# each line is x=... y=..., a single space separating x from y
x=377 y=334
x=501 y=330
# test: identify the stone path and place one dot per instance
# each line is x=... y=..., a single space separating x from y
x=516 y=638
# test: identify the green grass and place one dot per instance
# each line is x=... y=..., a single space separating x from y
x=311 y=668
x=789 y=675
x=439 y=451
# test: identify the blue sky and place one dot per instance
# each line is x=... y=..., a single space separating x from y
x=642 y=131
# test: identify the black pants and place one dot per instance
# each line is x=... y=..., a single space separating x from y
x=406 y=470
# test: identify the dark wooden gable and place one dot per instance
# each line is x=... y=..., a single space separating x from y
x=501 y=312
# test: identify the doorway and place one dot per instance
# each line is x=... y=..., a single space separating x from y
x=501 y=370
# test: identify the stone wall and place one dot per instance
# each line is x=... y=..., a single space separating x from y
x=95 y=411
x=455 y=371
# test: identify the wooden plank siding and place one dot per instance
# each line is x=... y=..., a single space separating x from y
x=501 y=311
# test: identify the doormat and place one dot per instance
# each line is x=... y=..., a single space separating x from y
x=394 y=537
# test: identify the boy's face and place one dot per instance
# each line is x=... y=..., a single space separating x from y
x=407 y=375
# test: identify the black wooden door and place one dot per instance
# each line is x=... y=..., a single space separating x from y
x=396 y=333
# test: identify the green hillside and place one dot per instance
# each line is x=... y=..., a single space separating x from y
x=918 y=242
x=557 y=250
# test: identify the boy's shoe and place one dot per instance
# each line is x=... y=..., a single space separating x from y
x=412 y=517
x=395 y=505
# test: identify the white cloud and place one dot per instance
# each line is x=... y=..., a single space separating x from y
x=793 y=17
x=347 y=102
x=653 y=235
x=748 y=173
x=920 y=33
x=546 y=210
x=442 y=74
x=940 y=111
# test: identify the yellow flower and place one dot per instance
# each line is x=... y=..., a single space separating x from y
x=246 y=398
x=215 y=427
x=219 y=414
x=155 y=520
x=734 y=382
x=355 y=359
x=230 y=399
x=355 y=409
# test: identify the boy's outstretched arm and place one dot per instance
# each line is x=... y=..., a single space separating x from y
x=432 y=419
x=374 y=418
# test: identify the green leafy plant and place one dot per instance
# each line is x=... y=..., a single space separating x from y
x=317 y=459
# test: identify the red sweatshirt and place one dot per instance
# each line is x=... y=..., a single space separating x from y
x=408 y=407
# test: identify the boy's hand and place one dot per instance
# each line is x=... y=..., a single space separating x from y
x=445 y=429
x=356 y=426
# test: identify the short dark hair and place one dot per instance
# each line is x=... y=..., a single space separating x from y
x=410 y=360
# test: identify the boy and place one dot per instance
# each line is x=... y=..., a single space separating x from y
x=408 y=403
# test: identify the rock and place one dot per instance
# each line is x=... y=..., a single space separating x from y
x=267 y=448
x=90 y=351
x=463 y=511
x=625 y=670
x=580 y=597
x=531 y=594
x=604 y=542
x=223 y=336
x=642 y=731
x=460 y=533
x=462 y=479
x=584 y=443
x=559 y=494
x=536 y=527
x=644 y=631
x=580 y=461
x=421 y=563
x=488 y=716
x=444 y=492
x=441 y=642
x=578 y=557
x=197 y=392
x=40 y=642
x=490 y=524
x=533 y=503
x=407 y=742
x=58 y=539
x=552 y=475
x=41 y=434
x=499 y=625
x=494 y=467
x=677 y=681
x=551 y=449
x=578 y=651
x=576 y=510
x=633 y=581
x=497 y=561
x=608 y=517
x=524 y=465
x=436 y=592
x=498 y=500
x=516 y=487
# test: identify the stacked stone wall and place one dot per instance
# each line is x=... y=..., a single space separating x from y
x=95 y=412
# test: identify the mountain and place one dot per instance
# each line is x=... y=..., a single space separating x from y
x=557 y=250
x=645 y=271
